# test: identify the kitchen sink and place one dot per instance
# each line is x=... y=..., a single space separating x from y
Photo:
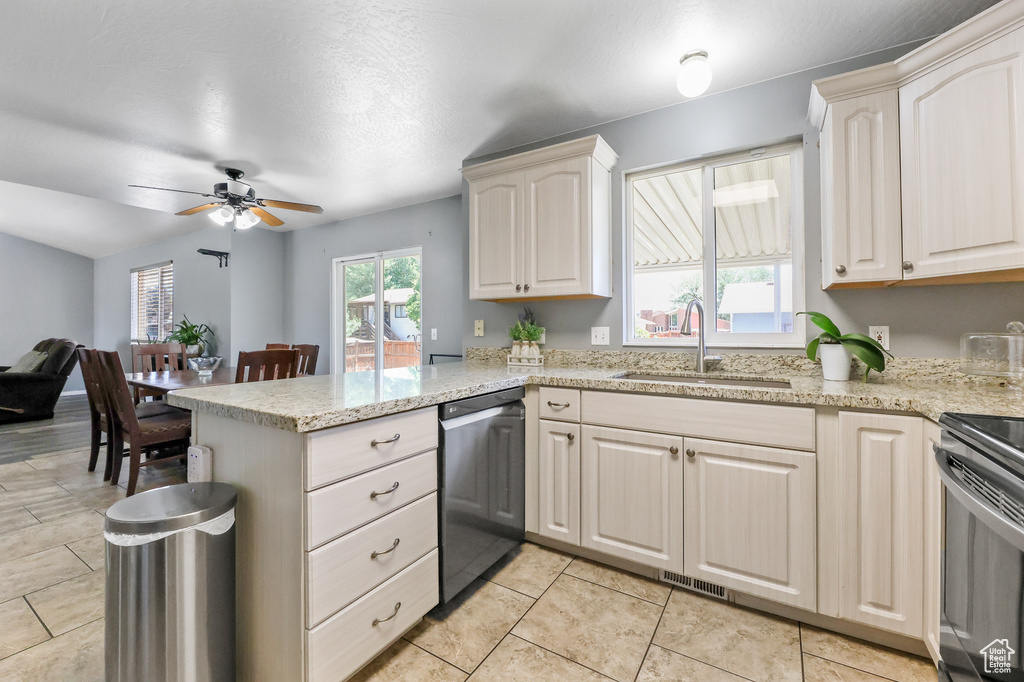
x=703 y=381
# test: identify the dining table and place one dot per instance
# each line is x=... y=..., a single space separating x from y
x=174 y=379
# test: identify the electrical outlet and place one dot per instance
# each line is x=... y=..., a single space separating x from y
x=433 y=335
x=599 y=336
x=478 y=328
x=880 y=334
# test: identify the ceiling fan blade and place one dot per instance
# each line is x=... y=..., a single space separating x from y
x=268 y=218
x=291 y=206
x=197 y=209
x=167 y=189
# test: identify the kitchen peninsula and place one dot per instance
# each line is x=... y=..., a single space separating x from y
x=303 y=452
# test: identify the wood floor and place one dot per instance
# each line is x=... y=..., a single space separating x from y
x=68 y=430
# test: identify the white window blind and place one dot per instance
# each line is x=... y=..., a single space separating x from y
x=152 y=302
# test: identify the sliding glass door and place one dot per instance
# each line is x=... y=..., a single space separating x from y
x=376 y=311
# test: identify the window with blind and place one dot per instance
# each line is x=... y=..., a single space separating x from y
x=152 y=303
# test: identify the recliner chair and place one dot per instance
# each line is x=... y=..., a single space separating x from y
x=28 y=396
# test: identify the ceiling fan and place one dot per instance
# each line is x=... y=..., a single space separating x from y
x=237 y=201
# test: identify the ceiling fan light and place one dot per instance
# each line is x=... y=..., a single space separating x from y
x=223 y=215
x=245 y=219
x=694 y=74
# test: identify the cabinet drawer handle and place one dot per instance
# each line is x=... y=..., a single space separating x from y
x=378 y=621
x=519 y=287
x=557 y=405
x=389 y=550
x=374 y=495
x=690 y=452
x=374 y=443
x=840 y=269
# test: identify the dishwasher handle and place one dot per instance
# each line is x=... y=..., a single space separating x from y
x=977 y=505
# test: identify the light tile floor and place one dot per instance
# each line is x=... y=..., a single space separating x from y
x=52 y=563
x=537 y=615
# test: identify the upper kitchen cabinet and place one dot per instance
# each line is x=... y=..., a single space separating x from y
x=540 y=223
x=922 y=161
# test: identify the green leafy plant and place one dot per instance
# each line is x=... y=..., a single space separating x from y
x=190 y=334
x=869 y=351
x=526 y=327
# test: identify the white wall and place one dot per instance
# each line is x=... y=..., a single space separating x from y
x=257 y=290
x=924 y=321
x=202 y=290
x=44 y=293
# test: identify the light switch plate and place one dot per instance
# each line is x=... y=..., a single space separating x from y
x=433 y=334
x=880 y=334
x=599 y=336
x=478 y=328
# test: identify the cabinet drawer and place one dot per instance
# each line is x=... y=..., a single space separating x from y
x=348 y=640
x=562 y=404
x=337 y=509
x=334 y=454
x=411 y=530
x=780 y=425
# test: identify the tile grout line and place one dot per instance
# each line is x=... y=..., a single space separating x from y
x=851 y=667
x=800 y=637
x=615 y=589
x=39 y=618
x=650 y=642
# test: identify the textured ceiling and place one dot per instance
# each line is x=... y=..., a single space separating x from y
x=360 y=105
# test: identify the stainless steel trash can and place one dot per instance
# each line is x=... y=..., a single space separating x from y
x=170 y=607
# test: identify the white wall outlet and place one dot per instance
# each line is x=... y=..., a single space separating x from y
x=880 y=334
x=599 y=336
x=433 y=334
x=200 y=464
x=478 y=328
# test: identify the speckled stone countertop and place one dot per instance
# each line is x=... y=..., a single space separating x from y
x=310 y=403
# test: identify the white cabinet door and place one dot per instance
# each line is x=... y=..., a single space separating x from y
x=881 y=518
x=962 y=148
x=633 y=496
x=559 y=481
x=933 y=535
x=860 y=178
x=749 y=519
x=495 y=236
x=557 y=227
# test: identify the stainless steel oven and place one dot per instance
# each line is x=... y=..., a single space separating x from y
x=981 y=462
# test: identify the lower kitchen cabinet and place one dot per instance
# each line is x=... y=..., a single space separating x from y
x=933 y=535
x=558 y=481
x=632 y=496
x=880 y=521
x=749 y=519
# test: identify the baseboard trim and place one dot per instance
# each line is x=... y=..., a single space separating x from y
x=63 y=393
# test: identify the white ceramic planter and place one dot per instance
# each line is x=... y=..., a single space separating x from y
x=835 y=361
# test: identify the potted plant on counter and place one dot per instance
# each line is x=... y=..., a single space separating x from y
x=192 y=335
x=835 y=349
x=526 y=335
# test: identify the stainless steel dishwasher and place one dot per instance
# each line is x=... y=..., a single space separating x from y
x=482 y=484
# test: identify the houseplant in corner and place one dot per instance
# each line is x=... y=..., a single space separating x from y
x=192 y=335
x=835 y=348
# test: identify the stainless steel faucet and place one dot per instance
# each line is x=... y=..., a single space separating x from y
x=704 y=361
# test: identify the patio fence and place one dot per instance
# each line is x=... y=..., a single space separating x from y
x=359 y=355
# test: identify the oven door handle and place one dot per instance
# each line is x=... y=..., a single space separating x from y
x=978 y=506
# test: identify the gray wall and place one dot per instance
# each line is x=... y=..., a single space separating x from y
x=257 y=290
x=202 y=290
x=437 y=226
x=44 y=292
x=924 y=321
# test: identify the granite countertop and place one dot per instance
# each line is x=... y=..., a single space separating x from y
x=318 y=402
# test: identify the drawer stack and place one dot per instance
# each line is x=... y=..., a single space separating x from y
x=371 y=567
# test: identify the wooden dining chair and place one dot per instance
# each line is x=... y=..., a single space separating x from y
x=278 y=346
x=265 y=365
x=157 y=357
x=169 y=428
x=308 y=353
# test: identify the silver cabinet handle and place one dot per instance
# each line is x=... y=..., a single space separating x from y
x=690 y=452
x=571 y=437
x=908 y=266
x=558 y=405
x=374 y=443
x=840 y=269
x=526 y=287
x=374 y=495
x=674 y=450
x=519 y=287
x=378 y=621
x=389 y=550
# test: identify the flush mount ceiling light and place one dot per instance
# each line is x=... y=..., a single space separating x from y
x=694 y=74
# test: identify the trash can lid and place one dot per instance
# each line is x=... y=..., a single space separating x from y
x=174 y=507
